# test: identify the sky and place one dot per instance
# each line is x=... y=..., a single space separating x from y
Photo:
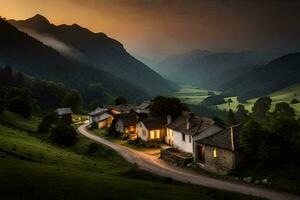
x=154 y=29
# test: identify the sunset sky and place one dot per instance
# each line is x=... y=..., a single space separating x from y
x=154 y=29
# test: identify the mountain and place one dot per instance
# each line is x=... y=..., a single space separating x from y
x=31 y=56
x=96 y=49
x=262 y=80
x=209 y=69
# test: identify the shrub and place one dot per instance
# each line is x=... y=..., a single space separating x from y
x=294 y=101
x=47 y=121
x=63 y=134
x=20 y=106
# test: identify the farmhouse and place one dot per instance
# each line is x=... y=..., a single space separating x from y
x=151 y=129
x=181 y=132
x=100 y=118
x=218 y=152
x=65 y=114
x=126 y=123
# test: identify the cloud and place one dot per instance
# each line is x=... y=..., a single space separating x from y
x=56 y=44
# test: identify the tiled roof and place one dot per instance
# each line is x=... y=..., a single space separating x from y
x=64 y=111
x=128 y=119
x=224 y=139
x=123 y=108
x=197 y=124
x=154 y=123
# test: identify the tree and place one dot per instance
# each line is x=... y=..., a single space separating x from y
x=1 y=105
x=47 y=121
x=63 y=134
x=294 y=101
x=231 y=118
x=242 y=115
x=73 y=100
x=120 y=100
x=284 y=110
x=163 y=106
x=20 y=105
x=261 y=107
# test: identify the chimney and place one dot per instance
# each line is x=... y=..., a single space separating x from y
x=188 y=123
x=169 y=119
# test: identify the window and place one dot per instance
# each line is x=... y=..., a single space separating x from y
x=157 y=134
x=215 y=152
x=190 y=139
x=169 y=132
x=183 y=137
x=152 y=134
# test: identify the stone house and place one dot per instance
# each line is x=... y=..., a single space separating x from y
x=151 y=129
x=101 y=118
x=218 y=152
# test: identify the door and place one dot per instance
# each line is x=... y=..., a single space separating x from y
x=201 y=154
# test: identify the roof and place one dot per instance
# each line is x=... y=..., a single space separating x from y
x=64 y=111
x=154 y=123
x=98 y=111
x=197 y=124
x=225 y=139
x=104 y=116
x=128 y=119
x=123 y=108
x=144 y=105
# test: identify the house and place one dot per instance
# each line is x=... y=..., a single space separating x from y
x=100 y=118
x=126 y=123
x=218 y=152
x=151 y=129
x=143 y=109
x=181 y=132
x=65 y=114
x=120 y=109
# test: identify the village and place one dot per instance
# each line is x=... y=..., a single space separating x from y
x=184 y=140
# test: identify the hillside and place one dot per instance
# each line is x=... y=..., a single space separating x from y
x=30 y=56
x=96 y=49
x=277 y=74
x=209 y=69
x=37 y=169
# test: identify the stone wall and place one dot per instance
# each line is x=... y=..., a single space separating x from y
x=222 y=164
x=174 y=157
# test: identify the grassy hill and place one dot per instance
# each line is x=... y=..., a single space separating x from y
x=33 y=168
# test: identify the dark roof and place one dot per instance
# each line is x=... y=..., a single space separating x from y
x=154 y=123
x=98 y=111
x=223 y=139
x=197 y=124
x=123 y=108
x=64 y=111
x=128 y=119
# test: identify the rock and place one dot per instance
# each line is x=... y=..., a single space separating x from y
x=247 y=179
x=264 y=181
x=236 y=178
x=256 y=182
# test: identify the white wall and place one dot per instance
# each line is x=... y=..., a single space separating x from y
x=186 y=145
x=142 y=131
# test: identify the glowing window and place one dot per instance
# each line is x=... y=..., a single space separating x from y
x=152 y=134
x=215 y=152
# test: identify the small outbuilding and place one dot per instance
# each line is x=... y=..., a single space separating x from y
x=65 y=114
x=152 y=129
x=126 y=123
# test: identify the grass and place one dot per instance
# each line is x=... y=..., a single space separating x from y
x=14 y=120
x=31 y=168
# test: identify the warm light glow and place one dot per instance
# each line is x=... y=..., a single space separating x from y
x=215 y=152
x=169 y=132
x=155 y=134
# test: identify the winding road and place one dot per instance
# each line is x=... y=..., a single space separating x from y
x=157 y=166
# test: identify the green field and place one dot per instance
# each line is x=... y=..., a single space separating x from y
x=193 y=95
x=33 y=168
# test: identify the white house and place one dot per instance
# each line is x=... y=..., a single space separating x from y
x=182 y=131
x=151 y=129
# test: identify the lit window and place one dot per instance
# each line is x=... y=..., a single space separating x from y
x=157 y=134
x=215 y=152
x=152 y=134
x=170 y=132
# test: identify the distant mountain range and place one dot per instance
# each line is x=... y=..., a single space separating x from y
x=262 y=80
x=95 y=49
x=247 y=74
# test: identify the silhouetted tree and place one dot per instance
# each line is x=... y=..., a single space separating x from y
x=120 y=100
x=242 y=115
x=20 y=105
x=73 y=100
x=63 y=134
x=261 y=107
x=284 y=110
